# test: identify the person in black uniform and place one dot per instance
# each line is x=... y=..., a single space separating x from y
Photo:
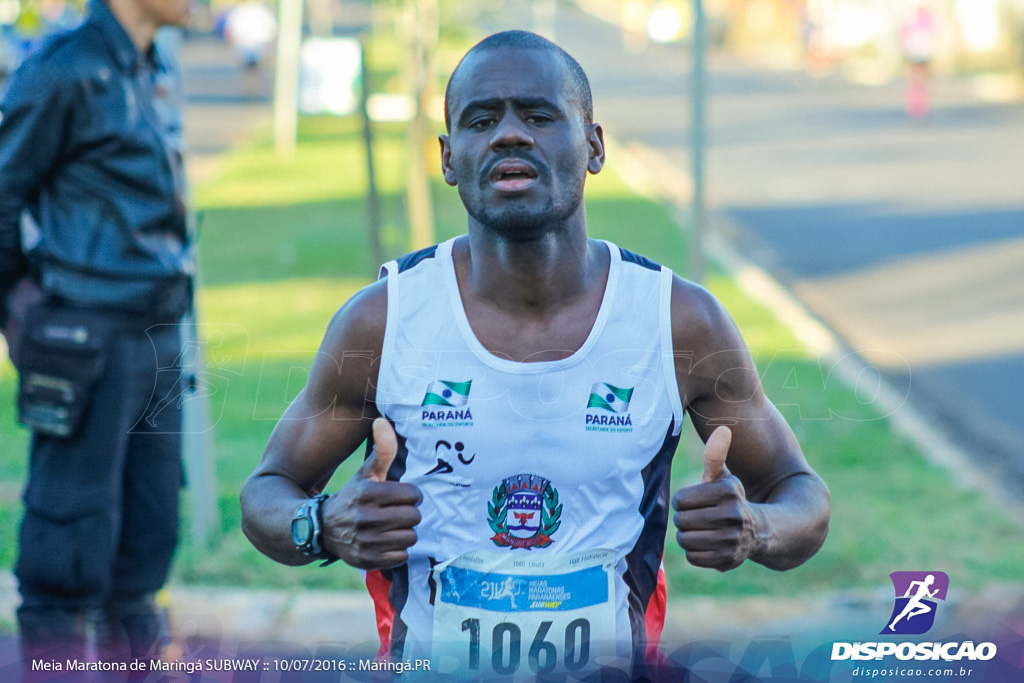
x=96 y=264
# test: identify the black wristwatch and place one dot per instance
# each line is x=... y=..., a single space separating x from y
x=306 y=530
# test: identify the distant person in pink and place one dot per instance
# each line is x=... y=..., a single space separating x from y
x=918 y=41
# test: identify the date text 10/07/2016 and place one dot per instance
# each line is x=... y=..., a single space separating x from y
x=210 y=664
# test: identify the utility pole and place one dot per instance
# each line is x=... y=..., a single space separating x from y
x=421 y=26
x=697 y=140
x=286 y=79
x=372 y=194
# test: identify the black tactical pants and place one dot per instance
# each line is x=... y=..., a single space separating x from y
x=101 y=508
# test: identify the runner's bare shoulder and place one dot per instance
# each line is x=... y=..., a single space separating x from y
x=359 y=324
x=700 y=323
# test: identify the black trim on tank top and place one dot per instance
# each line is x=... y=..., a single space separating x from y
x=644 y=560
x=632 y=257
x=409 y=260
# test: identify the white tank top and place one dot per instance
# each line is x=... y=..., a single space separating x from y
x=533 y=461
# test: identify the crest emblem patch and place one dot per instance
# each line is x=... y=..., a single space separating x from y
x=524 y=512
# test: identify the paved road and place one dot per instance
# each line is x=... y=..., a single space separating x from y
x=907 y=238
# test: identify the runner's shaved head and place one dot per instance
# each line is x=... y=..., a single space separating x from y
x=576 y=78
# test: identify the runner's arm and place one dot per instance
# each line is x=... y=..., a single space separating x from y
x=769 y=505
x=319 y=430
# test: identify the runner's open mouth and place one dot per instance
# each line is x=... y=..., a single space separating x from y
x=513 y=175
x=513 y=169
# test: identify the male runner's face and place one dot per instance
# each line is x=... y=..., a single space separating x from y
x=518 y=148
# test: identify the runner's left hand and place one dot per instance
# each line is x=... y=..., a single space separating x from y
x=714 y=521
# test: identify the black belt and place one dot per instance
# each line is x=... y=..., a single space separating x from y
x=167 y=306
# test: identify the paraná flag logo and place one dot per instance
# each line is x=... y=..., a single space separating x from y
x=445 y=393
x=610 y=397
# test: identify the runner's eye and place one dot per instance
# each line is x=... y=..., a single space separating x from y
x=481 y=123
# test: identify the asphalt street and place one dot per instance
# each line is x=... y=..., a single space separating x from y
x=904 y=237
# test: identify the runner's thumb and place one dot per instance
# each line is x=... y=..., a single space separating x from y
x=715 y=451
x=385 y=447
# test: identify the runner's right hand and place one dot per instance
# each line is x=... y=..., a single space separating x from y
x=369 y=523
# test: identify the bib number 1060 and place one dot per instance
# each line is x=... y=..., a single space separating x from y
x=542 y=657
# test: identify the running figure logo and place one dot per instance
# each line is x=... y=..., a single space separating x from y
x=916 y=595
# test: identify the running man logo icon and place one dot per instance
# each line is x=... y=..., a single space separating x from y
x=916 y=596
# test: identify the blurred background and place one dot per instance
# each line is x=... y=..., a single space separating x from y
x=843 y=174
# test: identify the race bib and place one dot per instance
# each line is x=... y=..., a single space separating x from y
x=519 y=615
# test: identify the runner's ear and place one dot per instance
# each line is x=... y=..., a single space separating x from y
x=447 y=170
x=595 y=140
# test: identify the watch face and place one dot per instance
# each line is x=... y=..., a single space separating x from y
x=302 y=528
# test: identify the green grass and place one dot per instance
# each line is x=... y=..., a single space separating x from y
x=284 y=244
x=13 y=447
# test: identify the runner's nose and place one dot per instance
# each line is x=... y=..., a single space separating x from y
x=510 y=132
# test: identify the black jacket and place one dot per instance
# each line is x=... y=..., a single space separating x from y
x=89 y=146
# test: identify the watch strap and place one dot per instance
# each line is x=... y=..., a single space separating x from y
x=313 y=547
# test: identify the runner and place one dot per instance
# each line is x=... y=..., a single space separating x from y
x=529 y=386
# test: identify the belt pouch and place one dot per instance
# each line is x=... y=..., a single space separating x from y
x=63 y=354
